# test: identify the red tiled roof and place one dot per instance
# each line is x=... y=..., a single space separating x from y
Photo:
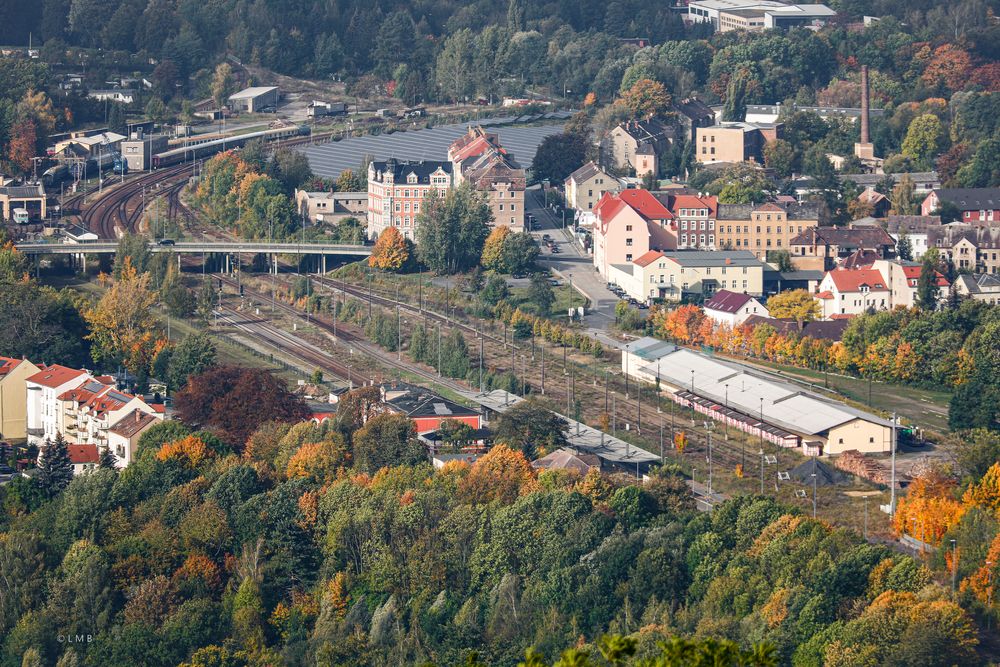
x=912 y=272
x=851 y=280
x=645 y=204
x=825 y=295
x=55 y=375
x=648 y=258
x=81 y=454
x=7 y=364
x=692 y=201
x=769 y=206
x=841 y=316
x=132 y=423
x=725 y=301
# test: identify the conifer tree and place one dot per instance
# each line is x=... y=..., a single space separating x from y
x=55 y=469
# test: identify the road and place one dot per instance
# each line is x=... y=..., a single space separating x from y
x=575 y=266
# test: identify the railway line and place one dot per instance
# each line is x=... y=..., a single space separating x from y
x=341 y=333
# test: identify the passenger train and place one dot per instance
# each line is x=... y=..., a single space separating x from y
x=186 y=153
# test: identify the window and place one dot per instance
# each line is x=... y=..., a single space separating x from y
x=512 y=206
x=711 y=225
x=590 y=193
x=684 y=224
x=628 y=228
x=628 y=242
x=501 y=207
x=628 y=257
x=703 y=225
x=744 y=284
x=684 y=239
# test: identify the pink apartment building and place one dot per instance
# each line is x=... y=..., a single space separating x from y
x=630 y=224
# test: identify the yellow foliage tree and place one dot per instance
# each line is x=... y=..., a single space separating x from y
x=390 y=252
x=121 y=324
x=317 y=460
x=492 y=257
x=190 y=451
x=797 y=304
x=929 y=509
x=986 y=492
x=647 y=98
x=983 y=581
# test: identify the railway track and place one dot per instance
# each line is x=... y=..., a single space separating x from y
x=341 y=333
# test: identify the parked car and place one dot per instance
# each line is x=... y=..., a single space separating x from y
x=167 y=242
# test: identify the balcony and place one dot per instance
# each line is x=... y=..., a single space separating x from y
x=38 y=432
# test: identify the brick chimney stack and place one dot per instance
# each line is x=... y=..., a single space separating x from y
x=864 y=105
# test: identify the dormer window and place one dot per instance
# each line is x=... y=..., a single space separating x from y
x=412 y=178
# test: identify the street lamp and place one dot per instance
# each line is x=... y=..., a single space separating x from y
x=813 y=475
x=627 y=346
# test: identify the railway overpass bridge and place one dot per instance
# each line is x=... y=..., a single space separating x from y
x=78 y=251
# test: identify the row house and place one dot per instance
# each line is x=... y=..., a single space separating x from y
x=976 y=205
x=478 y=157
x=822 y=248
x=763 y=228
x=915 y=228
x=695 y=218
x=693 y=274
x=981 y=287
x=628 y=225
x=396 y=191
x=585 y=186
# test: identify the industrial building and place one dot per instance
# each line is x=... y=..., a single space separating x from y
x=751 y=401
x=254 y=99
x=139 y=149
x=28 y=197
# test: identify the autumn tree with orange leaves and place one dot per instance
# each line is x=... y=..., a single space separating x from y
x=190 y=452
x=391 y=251
x=122 y=327
x=930 y=507
x=502 y=474
x=647 y=98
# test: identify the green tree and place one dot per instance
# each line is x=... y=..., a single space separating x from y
x=735 y=108
x=531 y=428
x=540 y=293
x=928 y=292
x=904 y=247
x=923 y=139
x=55 y=470
x=558 y=156
x=386 y=440
x=451 y=229
x=454 y=69
x=455 y=355
x=902 y=197
x=495 y=291
x=779 y=155
x=194 y=355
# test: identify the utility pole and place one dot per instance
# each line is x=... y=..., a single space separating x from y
x=399 y=329
x=814 y=487
x=439 y=348
x=710 y=466
x=481 y=339
x=866 y=518
x=761 y=471
x=541 y=352
x=892 y=483
x=954 y=565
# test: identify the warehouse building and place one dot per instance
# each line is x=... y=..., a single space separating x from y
x=254 y=99
x=751 y=401
x=31 y=198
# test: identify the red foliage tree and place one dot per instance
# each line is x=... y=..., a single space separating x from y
x=235 y=401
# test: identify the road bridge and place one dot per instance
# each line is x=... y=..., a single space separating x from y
x=199 y=247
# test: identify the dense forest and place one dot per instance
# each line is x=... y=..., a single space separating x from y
x=267 y=543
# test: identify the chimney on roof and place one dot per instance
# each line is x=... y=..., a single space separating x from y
x=138 y=416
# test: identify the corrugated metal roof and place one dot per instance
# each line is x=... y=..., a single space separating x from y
x=785 y=405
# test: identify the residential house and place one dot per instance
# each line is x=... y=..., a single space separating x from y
x=695 y=218
x=761 y=228
x=585 y=186
x=478 y=157
x=974 y=248
x=43 y=405
x=852 y=292
x=923 y=181
x=630 y=224
x=902 y=279
x=735 y=142
x=331 y=207
x=13 y=392
x=879 y=203
x=84 y=458
x=396 y=191
x=123 y=436
x=621 y=146
x=691 y=114
x=977 y=205
x=981 y=287
x=733 y=308
x=822 y=247
x=915 y=228
x=688 y=274
x=831 y=330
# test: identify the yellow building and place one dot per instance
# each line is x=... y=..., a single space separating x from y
x=734 y=142
x=14 y=397
x=764 y=227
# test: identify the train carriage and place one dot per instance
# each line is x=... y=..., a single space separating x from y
x=199 y=151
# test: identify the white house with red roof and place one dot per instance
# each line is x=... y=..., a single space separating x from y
x=695 y=216
x=903 y=279
x=43 y=391
x=733 y=308
x=123 y=435
x=81 y=407
x=84 y=458
x=848 y=292
x=629 y=224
